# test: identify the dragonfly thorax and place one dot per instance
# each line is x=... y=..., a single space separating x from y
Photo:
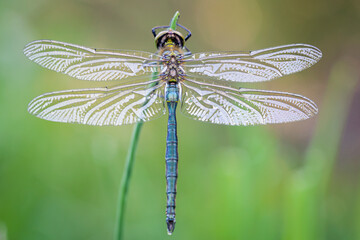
x=172 y=65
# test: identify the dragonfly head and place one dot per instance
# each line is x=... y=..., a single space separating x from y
x=169 y=38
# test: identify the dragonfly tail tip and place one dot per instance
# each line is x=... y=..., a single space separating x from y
x=170 y=226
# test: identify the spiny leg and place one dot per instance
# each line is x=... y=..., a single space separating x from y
x=153 y=30
x=187 y=30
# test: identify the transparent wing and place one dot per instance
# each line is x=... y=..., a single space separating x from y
x=253 y=66
x=89 y=63
x=101 y=106
x=230 y=106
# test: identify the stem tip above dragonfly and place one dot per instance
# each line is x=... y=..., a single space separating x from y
x=147 y=85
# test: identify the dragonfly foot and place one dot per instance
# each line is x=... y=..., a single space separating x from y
x=170 y=226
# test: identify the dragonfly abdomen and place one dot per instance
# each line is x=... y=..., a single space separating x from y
x=171 y=157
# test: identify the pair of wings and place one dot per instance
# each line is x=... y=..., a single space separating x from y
x=144 y=100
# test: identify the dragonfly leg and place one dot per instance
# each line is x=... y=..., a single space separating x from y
x=187 y=51
x=187 y=30
x=153 y=30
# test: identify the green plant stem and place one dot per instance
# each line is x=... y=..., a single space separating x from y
x=174 y=20
x=126 y=180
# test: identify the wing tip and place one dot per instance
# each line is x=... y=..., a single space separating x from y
x=313 y=109
x=315 y=53
x=309 y=108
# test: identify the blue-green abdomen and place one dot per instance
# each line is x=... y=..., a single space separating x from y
x=171 y=157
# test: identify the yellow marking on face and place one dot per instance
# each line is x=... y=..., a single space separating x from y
x=169 y=43
x=172 y=49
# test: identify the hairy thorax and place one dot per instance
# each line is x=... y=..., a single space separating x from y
x=172 y=70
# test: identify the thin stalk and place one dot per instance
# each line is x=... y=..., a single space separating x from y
x=125 y=181
x=174 y=20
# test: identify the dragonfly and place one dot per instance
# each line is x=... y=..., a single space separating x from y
x=150 y=84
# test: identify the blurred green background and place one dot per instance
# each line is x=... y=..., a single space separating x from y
x=296 y=181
